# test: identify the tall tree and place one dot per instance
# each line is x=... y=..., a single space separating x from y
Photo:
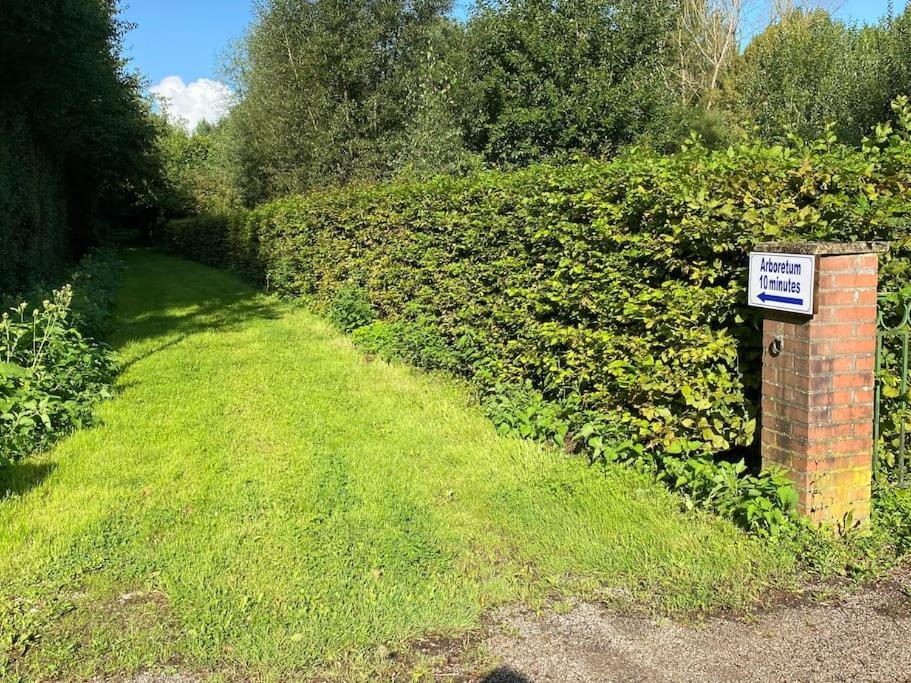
x=551 y=76
x=325 y=88
x=705 y=43
x=810 y=70
x=195 y=170
x=74 y=130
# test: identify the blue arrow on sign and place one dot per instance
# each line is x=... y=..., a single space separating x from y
x=763 y=297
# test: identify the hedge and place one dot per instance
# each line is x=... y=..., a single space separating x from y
x=34 y=229
x=615 y=287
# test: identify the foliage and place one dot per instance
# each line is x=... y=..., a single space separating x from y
x=195 y=170
x=619 y=283
x=333 y=92
x=811 y=70
x=413 y=341
x=892 y=515
x=547 y=78
x=763 y=502
x=51 y=374
x=222 y=241
x=75 y=140
x=613 y=290
x=325 y=506
x=33 y=214
x=432 y=140
x=894 y=304
x=351 y=308
x=895 y=408
x=95 y=283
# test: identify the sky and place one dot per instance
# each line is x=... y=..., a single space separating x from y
x=179 y=46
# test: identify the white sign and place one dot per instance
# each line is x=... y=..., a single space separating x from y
x=784 y=282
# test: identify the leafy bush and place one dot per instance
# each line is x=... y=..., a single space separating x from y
x=892 y=511
x=417 y=342
x=222 y=241
x=810 y=70
x=765 y=502
x=51 y=372
x=612 y=293
x=51 y=375
x=351 y=308
x=75 y=136
x=33 y=215
x=551 y=79
x=95 y=283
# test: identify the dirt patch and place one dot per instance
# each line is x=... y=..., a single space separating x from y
x=859 y=636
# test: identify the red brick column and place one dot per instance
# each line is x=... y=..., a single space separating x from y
x=817 y=393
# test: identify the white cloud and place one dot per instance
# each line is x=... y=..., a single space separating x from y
x=187 y=105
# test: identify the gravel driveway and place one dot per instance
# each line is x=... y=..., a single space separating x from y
x=864 y=636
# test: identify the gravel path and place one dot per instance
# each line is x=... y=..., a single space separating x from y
x=861 y=637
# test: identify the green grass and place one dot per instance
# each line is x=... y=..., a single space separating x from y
x=261 y=500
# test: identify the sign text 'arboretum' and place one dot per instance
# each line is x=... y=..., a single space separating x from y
x=784 y=282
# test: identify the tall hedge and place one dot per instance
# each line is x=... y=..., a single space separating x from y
x=33 y=208
x=617 y=286
x=75 y=140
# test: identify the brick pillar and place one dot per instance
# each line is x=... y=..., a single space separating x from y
x=817 y=393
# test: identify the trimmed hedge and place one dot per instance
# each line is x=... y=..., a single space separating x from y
x=618 y=286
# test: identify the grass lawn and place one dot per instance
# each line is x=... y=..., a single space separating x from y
x=260 y=500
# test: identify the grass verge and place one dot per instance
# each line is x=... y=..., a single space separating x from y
x=260 y=499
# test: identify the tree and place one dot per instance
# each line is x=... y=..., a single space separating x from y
x=327 y=89
x=74 y=131
x=195 y=170
x=705 y=43
x=550 y=77
x=810 y=70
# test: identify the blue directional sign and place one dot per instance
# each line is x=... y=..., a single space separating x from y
x=784 y=282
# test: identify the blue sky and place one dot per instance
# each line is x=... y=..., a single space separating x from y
x=183 y=37
x=187 y=38
x=184 y=41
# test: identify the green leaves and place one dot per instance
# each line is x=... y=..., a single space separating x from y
x=621 y=283
x=75 y=136
x=593 y=304
x=813 y=76
x=11 y=370
x=552 y=79
x=50 y=374
x=764 y=503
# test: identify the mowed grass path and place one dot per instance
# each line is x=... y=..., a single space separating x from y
x=262 y=500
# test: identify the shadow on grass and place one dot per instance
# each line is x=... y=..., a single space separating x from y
x=166 y=295
x=20 y=478
x=124 y=366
